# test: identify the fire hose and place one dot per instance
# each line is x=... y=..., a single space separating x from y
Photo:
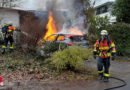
x=124 y=84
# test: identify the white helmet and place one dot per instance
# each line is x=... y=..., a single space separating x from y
x=10 y=23
x=104 y=32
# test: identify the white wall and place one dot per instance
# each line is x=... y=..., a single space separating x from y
x=111 y=18
x=9 y=16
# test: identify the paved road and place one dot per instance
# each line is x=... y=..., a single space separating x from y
x=118 y=69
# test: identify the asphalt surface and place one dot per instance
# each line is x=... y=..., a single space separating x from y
x=118 y=69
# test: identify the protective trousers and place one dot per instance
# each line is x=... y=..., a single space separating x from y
x=5 y=43
x=103 y=63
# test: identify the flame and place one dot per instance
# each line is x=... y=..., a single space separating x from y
x=75 y=31
x=51 y=28
x=61 y=38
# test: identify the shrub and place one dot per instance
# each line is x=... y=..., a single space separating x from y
x=120 y=34
x=72 y=58
x=50 y=47
x=1 y=38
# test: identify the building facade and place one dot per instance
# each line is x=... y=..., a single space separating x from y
x=105 y=10
x=9 y=15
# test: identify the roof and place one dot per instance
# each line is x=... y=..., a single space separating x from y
x=11 y=9
x=109 y=2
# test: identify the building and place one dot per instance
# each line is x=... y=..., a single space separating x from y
x=105 y=9
x=29 y=26
x=9 y=15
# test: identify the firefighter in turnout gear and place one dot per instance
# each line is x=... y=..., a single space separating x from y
x=7 y=31
x=104 y=48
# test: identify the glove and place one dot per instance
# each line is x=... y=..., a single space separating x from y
x=94 y=54
x=113 y=56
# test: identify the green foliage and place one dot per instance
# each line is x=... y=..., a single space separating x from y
x=1 y=38
x=72 y=58
x=97 y=24
x=50 y=47
x=121 y=9
x=120 y=34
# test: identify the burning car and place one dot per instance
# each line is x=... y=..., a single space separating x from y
x=69 y=39
x=68 y=36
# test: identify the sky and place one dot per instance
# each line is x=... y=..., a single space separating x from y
x=40 y=4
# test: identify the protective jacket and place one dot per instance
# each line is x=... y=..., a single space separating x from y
x=104 y=48
x=11 y=30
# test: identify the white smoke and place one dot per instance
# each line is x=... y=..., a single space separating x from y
x=73 y=14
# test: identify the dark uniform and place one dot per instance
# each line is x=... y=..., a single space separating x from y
x=104 y=48
x=7 y=31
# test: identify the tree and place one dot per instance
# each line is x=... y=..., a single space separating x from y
x=97 y=24
x=121 y=9
x=9 y=3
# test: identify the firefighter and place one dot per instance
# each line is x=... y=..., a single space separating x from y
x=104 y=48
x=7 y=31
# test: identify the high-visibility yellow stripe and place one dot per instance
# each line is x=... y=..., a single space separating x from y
x=11 y=47
x=94 y=50
x=112 y=45
x=107 y=54
x=10 y=30
x=105 y=48
x=114 y=51
x=100 y=71
x=4 y=47
x=14 y=28
x=106 y=74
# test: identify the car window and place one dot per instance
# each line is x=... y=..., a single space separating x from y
x=60 y=38
x=77 y=38
x=51 y=38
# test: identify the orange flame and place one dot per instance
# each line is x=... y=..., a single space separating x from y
x=51 y=28
x=75 y=31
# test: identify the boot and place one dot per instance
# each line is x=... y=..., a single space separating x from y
x=106 y=79
x=100 y=76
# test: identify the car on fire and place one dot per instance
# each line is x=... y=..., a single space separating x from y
x=69 y=39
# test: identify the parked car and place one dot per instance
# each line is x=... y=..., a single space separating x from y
x=69 y=39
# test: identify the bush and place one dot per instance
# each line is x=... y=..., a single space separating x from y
x=120 y=34
x=51 y=47
x=1 y=38
x=72 y=58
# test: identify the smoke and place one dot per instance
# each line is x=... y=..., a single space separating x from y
x=67 y=13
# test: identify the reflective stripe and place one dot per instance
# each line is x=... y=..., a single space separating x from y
x=100 y=71
x=14 y=28
x=95 y=50
x=112 y=45
x=105 y=48
x=10 y=30
x=11 y=47
x=4 y=47
x=106 y=74
x=107 y=54
x=114 y=51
